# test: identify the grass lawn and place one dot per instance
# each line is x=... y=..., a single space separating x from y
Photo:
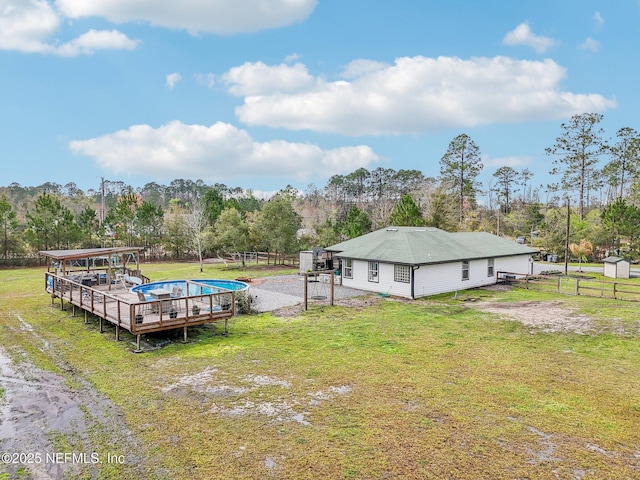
x=435 y=388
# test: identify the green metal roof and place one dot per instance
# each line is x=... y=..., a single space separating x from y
x=424 y=245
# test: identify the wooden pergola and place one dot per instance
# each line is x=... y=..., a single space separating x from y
x=62 y=261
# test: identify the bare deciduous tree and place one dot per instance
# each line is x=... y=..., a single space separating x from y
x=196 y=222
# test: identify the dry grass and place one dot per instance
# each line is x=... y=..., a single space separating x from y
x=427 y=389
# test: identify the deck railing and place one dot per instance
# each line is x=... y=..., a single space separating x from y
x=202 y=305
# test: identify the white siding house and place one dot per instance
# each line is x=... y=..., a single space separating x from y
x=414 y=262
x=362 y=278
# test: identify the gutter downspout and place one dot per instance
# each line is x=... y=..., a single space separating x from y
x=413 y=281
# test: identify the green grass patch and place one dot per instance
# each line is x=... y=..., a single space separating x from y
x=428 y=389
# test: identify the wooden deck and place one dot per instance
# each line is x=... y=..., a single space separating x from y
x=122 y=308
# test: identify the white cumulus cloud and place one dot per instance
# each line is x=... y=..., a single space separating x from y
x=214 y=153
x=88 y=43
x=414 y=95
x=172 y=79
x=292 y=57
x=361 y=67
x=206 y=79
x=258 y=78
x=195 y=16
x=523 y=35
x=29 y=25
x=598 y=20
x=25 y=25
x=590 y=44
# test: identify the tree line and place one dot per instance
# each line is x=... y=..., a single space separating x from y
x=598 y=178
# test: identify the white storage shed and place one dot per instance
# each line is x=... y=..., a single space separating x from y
x=616 y=267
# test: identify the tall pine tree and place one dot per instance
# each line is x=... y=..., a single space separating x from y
x=407 y=213
x=578 y=150
x=459 y=168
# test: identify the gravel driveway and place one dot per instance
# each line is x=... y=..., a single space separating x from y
x=272 y=293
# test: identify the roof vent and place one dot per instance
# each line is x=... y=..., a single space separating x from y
x=392 y=229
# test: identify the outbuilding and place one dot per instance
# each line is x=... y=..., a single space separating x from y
x=414 y=262
x=616 y=267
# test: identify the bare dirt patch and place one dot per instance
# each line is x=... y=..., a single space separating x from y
x=266 y=396
x=547 y=317
x=53 y=430
x=356 y=302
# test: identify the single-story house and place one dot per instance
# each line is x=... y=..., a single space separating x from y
x=616 y=267
x=414 y=262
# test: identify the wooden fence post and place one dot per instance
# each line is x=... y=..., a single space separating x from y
x=306 y=289
x=332 y=288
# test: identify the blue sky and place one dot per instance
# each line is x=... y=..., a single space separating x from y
x=280 y=92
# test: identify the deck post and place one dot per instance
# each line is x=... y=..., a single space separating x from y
x=138 y=344
x=117 y=333
x=73 y=309
x=101 y=331
x=226 y=326
x=185 y=334
x=85 y=317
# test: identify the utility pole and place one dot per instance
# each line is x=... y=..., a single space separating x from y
x=101 y=200
x=566 y=240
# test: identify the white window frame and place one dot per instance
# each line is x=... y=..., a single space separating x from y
x=347 y=268
x=374 y=272
x=402 y=273
x=490 y=267
x=466 y=274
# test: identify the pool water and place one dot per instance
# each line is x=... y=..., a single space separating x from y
x=205 y=287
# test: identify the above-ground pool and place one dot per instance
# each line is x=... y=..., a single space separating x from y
x=195 y=287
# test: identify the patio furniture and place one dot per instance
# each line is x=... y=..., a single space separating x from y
x=176 y=293
x=144 y=307
x=164 y=295
x=127 y=280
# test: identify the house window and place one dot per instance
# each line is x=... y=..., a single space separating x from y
x=402 y=273
x=465 y=270
x=373 y=271
x=347 y=268
x=490 y=267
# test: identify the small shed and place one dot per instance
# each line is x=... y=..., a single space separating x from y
x=315 y=260
x=306 y=261
x=616 y=267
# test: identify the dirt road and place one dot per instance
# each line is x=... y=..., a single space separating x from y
x=49 y=430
